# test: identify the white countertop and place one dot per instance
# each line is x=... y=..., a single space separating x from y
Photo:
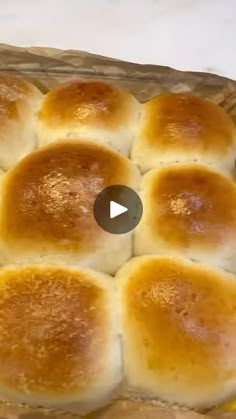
x=184 y=34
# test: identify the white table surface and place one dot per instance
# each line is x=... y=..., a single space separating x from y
x=184 y=34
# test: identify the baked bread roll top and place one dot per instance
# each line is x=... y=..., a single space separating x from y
x=190 y=210
x=46 y=211
x=58 y=336
x=89 y=109
x=179 y=328
x=177 y=127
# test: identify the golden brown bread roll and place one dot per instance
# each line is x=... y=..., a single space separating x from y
x=59 y=343
x=178 y=127
x=19 y=102
x=89 y=109
x=178 y=330
x=60 y=326
x=46 y=208
x=190 y=210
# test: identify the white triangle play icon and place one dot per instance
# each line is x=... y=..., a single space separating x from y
x=116 y=209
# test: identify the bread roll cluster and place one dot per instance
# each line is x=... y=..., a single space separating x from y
x=86 y=316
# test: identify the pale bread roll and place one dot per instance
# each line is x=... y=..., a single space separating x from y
x=46 y=207
x=178 y=330
x=59 y=337
x=89 y=109
x=19 y=102
x=190 y=210
x=176 y=127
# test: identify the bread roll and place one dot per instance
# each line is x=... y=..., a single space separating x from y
x=178 y=330
x=89 y=109
x=59 y=344
x=19 y=102
x=46 y=208
x=190 y=210
x=181 y=127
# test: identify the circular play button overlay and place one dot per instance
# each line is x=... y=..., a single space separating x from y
x=118 y=209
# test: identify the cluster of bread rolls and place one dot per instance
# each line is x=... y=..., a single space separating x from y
x=87 y=316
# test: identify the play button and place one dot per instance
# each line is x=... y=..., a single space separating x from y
x=118 y=209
